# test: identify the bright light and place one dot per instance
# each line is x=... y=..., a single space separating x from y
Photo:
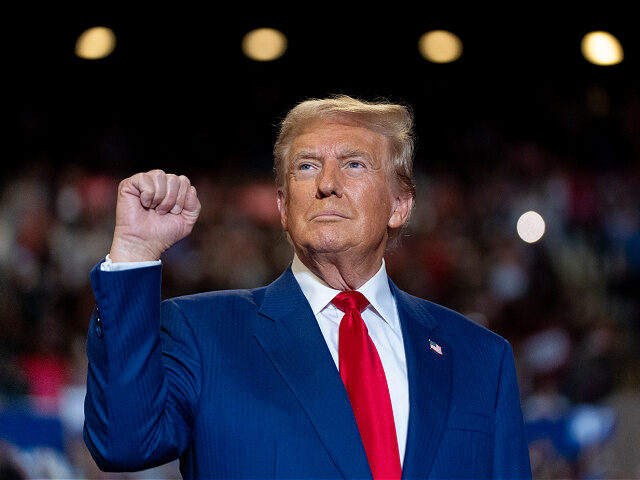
x=95 y=43
x=601 y=48
x=264 y=44
x=530 y=227
x=440 y=46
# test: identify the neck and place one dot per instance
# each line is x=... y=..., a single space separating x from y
x=339 y=270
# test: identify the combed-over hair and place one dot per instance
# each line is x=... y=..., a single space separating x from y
x=394 y=121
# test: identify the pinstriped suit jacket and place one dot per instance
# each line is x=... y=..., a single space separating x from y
x=240 y=384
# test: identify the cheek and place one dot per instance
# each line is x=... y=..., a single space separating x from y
x=303 y=198
x=377 y=202
x=295 y=210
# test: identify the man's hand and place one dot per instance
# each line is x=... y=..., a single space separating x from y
x=154 y=210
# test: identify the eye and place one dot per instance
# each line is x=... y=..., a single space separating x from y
x=304 y=166
x=355 y=165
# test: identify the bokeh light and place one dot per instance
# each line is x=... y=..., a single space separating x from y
x=602 y=48
x=264 y=44
x=440 y=46
x=95 y=43
x=530 y=226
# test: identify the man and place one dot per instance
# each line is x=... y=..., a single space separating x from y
x=329 y=372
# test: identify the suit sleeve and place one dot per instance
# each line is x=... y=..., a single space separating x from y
x=144 y=371
x=511 y=452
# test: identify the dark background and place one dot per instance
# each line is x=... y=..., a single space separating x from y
x=180 y=91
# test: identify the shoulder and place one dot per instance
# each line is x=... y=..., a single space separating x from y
x=212 y=317
x=452 y=321
x=453 y=328
x=232 y=301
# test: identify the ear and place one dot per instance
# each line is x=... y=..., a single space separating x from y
x=282 y=207
x=401 y=211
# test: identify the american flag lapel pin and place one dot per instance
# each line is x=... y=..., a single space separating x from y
x=435 y=347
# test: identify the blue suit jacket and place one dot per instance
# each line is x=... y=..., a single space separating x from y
x=241 y=384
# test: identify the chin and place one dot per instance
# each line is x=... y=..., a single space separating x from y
x=328 y=242
x=326 y=249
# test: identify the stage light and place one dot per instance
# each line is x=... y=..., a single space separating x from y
x=440 y=46
x=264 y=44
x=530 y=227
x=601 y=48
x=95 y=43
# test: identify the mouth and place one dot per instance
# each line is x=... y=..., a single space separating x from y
x=328 y=215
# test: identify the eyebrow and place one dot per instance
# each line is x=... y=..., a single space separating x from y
x=347 y=153
x=354 y=152
x=304 y=154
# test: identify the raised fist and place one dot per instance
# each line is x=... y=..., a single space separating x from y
x=154 y=210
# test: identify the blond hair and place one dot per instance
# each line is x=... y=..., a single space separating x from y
x=393 y=121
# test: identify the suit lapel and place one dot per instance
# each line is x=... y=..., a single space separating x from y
x=430 y=383
x=293 y=341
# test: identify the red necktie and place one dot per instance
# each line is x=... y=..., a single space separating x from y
x=366 y=384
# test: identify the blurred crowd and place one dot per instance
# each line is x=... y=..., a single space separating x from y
x=569 y=303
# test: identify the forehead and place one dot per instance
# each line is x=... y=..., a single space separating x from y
x=337 y=136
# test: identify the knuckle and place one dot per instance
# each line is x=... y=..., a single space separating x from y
x=145 y=178
x=157 y=174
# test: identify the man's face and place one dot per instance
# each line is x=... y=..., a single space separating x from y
x=338 y=194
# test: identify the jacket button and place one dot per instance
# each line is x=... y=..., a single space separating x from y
x=98 y=323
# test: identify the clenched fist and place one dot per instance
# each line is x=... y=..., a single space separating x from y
x=154 y=210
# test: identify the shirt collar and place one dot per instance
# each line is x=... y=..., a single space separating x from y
x=319 y=294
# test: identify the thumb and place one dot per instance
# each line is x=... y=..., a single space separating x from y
x=191 y=203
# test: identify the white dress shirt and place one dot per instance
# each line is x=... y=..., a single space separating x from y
x=380 y=317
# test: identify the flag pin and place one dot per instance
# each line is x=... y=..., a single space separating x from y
x=435 y=347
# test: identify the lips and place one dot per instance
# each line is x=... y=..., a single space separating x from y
x=328 y=214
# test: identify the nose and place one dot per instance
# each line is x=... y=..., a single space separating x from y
x=329 y=180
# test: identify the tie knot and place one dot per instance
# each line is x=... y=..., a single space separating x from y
x=350 y=300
